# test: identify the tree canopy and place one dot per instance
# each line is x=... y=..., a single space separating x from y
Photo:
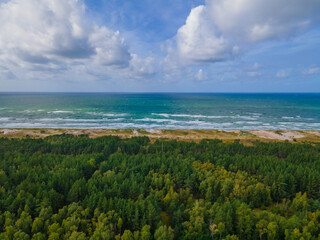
x=75 y=187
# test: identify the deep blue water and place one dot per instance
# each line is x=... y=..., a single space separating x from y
x=160 y=111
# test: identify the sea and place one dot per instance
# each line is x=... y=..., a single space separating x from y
x=225 y=111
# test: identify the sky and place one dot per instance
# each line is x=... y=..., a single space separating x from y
x=160 y=45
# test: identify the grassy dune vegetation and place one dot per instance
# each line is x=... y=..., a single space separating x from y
x=78 y=187
x=179 y=134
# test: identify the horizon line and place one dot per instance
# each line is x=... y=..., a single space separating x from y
x=146 y=92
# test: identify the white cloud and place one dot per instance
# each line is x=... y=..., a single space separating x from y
x=283 y=73
x=262 y=20
x=253 y=74
x=201 y=76
x=142 y=66
x=109 y=48
x=5 y=73
x=55 y=33
x=199 y=40
x=256 y=66
x=311 y=71
x=221 y=28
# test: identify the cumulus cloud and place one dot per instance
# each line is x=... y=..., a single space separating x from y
x=253 y=74
x=221 y=28
x=201 y=76
x=109 y=48
x=142 y=66
x=283 y=73
x=312 y=70
x=199 y=40
x=5 y=73
x=256 y=66
x=262 y=20
x=34 y=32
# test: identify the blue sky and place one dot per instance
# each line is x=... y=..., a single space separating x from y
x=160 y=46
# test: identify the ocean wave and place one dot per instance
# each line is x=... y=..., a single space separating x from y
x=244 y=117
x=188 y=115
x=167 y=126
x=314 y=124
x=3 y=119
x=293 y=123
x=79 y=124
x=203 y=124
x=78 y=120
x=161 y=114
x=107 y=114
x=298 y=118
x=31 y=111
x=113 y=119
x=301 y=125
x=218 y=116
x=246 y=122
x=61 y=111
x=155 y=125
x=27 y=111
x=23 y=125
x=287 y=117
x=190 y=124
x=167 y=115
x=156 y=120
x=236 y=121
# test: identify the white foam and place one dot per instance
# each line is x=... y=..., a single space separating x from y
x=107 y=114
x=309 y=119
x=167 y=115
x=28 y=111
x=188 y=115
x=218 y=116
x=78 y=120
x=313 y=124
x=244 y=117
x=287 y=117
x=161 y=114
x=113 y=119
x=157 y=120
x=61 y=111
x=80 y=124
x=246 y=122
x=23 y=125
x=4 y=119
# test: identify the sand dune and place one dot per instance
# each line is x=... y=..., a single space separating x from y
x=263 y=135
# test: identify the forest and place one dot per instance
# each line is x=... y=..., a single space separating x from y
x=76 y=187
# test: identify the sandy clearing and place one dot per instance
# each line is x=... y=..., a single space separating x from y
x=154 y=131
x=292 y=134
x=135 y=132
x=278 y=135
x=8 y=131
x=315 y=133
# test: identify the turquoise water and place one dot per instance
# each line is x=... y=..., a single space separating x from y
x=160 y=111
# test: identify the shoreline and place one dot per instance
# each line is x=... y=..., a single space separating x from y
x=179 y=134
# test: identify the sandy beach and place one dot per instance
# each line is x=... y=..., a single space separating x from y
x=195 y=135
